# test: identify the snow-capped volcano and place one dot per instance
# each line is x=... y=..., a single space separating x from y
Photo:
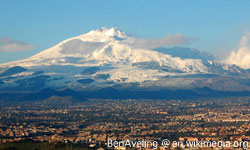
x=109 y=57
x=106 y=47
x=84 y=45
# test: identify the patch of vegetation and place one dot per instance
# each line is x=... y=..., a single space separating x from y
x=31 y=145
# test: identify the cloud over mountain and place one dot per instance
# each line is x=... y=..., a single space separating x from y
x=9 y=45
x=169 y=40
x=241 y=56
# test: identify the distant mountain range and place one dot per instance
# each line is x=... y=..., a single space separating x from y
x=104 y=64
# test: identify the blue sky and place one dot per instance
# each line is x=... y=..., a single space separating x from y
x=219 y=25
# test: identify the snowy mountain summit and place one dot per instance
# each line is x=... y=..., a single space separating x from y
x=106 y=47
x=111 y=58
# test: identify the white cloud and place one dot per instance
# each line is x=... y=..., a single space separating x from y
x=169 y=40
x=9 y=45
x=78 y=46
x=241 y=56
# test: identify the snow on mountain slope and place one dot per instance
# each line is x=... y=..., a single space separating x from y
x=101 y=47
x=113 y=60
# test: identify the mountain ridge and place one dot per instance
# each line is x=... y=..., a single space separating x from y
x=107 y=58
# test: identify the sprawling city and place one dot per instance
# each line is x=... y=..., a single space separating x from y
x=92 y=123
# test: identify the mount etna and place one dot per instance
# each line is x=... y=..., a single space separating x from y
x=106 y=63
